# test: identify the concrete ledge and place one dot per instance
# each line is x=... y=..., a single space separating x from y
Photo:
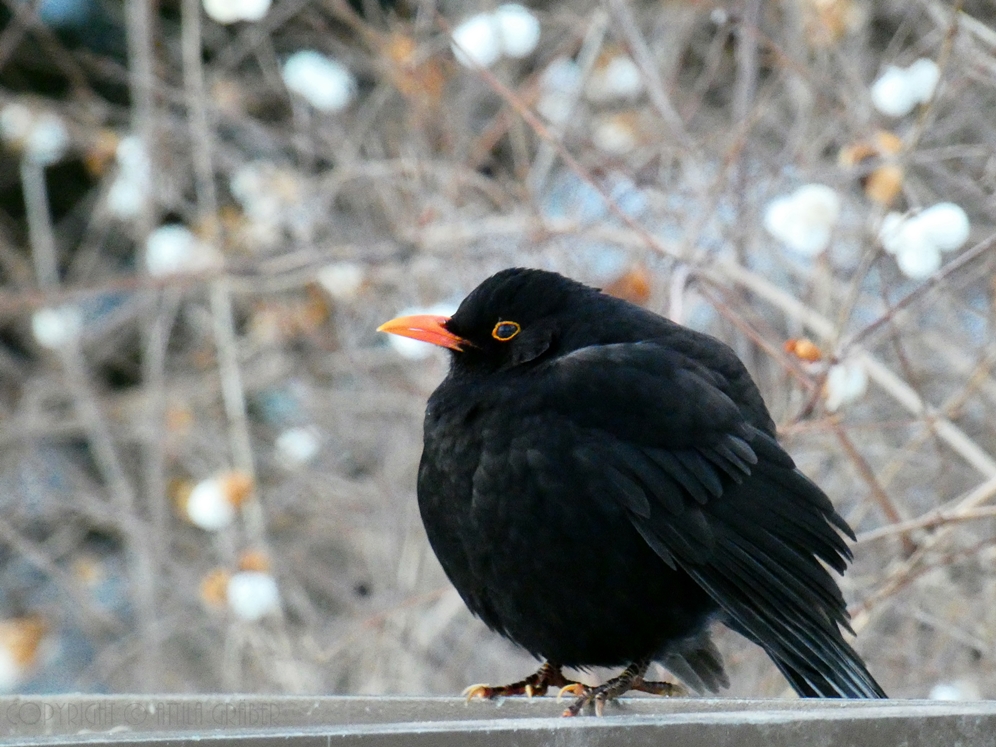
x=444 y=722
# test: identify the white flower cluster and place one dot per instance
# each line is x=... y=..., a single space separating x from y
x=173 y=249
x=342 y=280
x=57 y=327
x=232 y=11
x=917 y=240
x=274 y=199
x=208 y=506
x=804 y=220
x=615 y=133
x=559 y=86
x=41 y=136
x=253 y=594
x=618 y=79
x=295 y=447
x=326 y=84
x=899 y=89
x=132 y=187
x=510 y=31
x=846 y=382
x=213 y=503
x=615 y=80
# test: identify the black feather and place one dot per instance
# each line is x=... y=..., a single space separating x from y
x=604 y=484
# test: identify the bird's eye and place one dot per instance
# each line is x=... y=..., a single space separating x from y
x=505 y=331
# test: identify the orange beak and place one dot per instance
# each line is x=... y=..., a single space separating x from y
x=424 y=327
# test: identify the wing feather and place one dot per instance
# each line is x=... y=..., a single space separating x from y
x=711 y=491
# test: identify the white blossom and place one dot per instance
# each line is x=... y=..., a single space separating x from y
x=324 y=83
x=342 y=280
x=209 y=505
x=957 y=690
x=132 y=187
x=174 y=249
x=614 y=134
x=57 y=327
x=253 y=595
x=846 y=383
x=918 y=240
x=559 y=87
x=518 y=30
x=48 y=140
x=619 y=79
x=804 y=220
x=477 y=41
x=484 y=38
x=918 y=261
x=16 y=121
x=231 y=11
x=922 y=78
x=898 y=90
x=298 y=446
x=946 y=225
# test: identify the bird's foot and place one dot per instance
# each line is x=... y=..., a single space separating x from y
x=630 y=679
x=547 y=676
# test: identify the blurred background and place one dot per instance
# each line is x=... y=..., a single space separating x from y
x=207 y=453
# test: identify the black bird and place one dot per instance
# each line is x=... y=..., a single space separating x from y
x=600 y=484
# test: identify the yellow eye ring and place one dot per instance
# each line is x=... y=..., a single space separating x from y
x=505 y=331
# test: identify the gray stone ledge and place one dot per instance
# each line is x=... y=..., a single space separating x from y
x=444 y=722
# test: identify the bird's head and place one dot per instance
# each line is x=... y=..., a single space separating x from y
x=514 y=317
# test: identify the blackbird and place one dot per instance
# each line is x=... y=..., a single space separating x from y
x=600 y=484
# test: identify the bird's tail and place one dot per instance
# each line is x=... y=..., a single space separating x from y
x=840 y=673
x=775 y=536
x=696 y=662
x=811 y=683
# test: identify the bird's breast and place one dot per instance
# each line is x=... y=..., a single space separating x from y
x=498 y=483
x=520 y=523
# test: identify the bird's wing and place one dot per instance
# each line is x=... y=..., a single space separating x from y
x=715 y=495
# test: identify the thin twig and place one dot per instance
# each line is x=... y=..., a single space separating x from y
x=901 y=575
x=882 y=499
x=590 y=49
x=233 y=394
x=142 y=573
x=930 y=520
x=41 y=235
x=648 y=69
x=141 y=75
x=920 y=293
x=878 y=372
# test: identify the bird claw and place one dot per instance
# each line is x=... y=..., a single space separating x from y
x=534 y=685
x=482 y=691
x=584 y=695
x=575 y=688
x=630 y=679
x=600 y=706
x=578 y=705
x=487 y=692
x=665 y=689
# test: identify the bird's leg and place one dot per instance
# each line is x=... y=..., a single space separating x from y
x=547 y=676
x=630 y=679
